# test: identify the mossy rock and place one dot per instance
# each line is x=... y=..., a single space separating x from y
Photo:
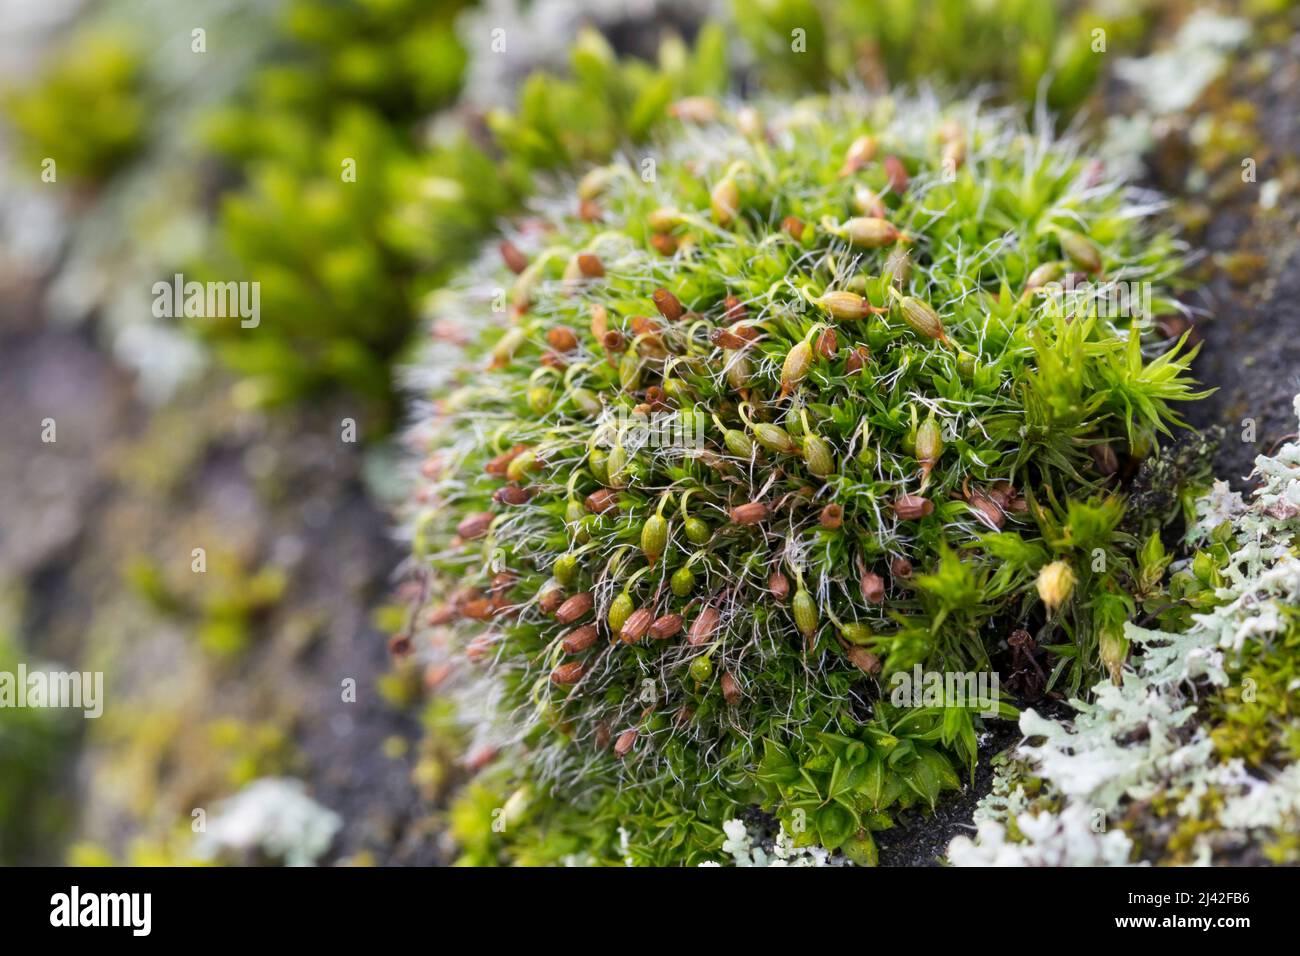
x=786 y=408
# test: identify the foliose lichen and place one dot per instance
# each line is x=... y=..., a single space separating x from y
x=1201 y=735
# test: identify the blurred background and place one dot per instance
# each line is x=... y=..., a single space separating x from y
x=141 y=139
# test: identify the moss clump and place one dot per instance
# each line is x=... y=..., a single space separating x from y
x=347 y=219
x=883 y=429
x=1027 y=47
x=398 y=60
x=222 y=613
x=88 y=111
x=321 y=138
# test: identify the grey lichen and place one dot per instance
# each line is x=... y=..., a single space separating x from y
x=273 y=817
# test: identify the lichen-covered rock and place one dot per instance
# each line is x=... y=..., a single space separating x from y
x=1193 y=758
x=749 y=848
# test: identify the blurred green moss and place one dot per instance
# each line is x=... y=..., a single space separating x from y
x=346 y=219
x=222 y=609
x=1016 y=45
x=318 y=142
x=34 y=744
x=87 y=111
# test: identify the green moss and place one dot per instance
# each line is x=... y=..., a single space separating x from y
x=399 y=59
x=34 y=746
x=1024 y=46
x=346 y=219
x=1256 y=715
x=248 y=751
x=87 y=112
x=221 y=603
x=1252 y=716
x=323 y=137
x=968 y=444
